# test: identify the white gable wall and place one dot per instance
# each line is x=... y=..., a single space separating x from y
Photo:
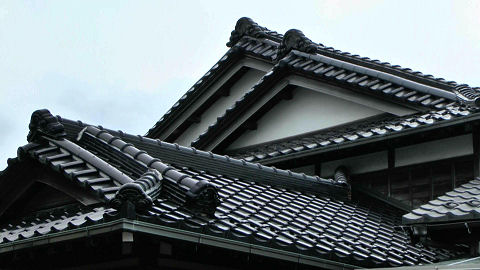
x=435 y=150
x=217 y=109
x=308 y=111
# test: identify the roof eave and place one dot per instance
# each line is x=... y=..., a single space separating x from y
x=345 y=145
x=128 y=225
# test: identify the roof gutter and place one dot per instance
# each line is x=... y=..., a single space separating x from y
x=380 y=75
x=158 y=230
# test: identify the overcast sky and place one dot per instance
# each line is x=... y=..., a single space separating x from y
x=122 y=64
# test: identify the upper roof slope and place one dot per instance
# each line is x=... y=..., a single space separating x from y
x=301 y=55
x=173 y=186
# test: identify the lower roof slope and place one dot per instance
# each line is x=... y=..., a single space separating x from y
x=460 y=204
x=251 y=210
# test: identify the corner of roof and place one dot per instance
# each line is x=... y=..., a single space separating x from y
x=43 y=123
x=294 y=39
x=137 y=196
x=247 y=27
x=468 y=96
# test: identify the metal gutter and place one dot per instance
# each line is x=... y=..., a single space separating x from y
x=62 y=236
x=380 y=75
x=344 y=145
x=158 y=230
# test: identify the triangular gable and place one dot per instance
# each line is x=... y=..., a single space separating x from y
x=29 y=186
x=296 y=54
x=53 y=165
x=234 y=74
x=312 y=109
x=310 y=63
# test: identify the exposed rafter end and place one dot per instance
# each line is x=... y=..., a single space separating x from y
x=250 y=125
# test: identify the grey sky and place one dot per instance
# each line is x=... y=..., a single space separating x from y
x=122 y=64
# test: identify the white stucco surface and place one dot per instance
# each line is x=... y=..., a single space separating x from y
x=434 y=150
x=308 y=111
x=308 y=170
x=357 y=164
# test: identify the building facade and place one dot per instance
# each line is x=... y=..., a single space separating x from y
x=286 y=153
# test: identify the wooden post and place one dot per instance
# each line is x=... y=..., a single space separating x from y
x=391 y=166
x=476 y=151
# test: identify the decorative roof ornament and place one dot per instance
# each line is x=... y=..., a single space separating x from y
x=467 y=95
x=295 y=40
x=342 y=177
x=43 y=123
x=203 y=197
x=138 y=196
x=246 y=27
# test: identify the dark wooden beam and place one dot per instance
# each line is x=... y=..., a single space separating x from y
x=250 y=125
x=476 y=151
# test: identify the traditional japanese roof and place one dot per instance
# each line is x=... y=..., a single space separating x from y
x=364 y=131
x=460 y=204
x=264 y=50
x=180 y=190
x=293 y=53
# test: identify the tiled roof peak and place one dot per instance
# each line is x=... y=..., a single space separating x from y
x=43 y=123
x=174 y=153
x=295 y=40
x=467 y=95
x=139 y=193
x=247 y=27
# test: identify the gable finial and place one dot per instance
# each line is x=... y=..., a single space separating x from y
x=467 y=95
x=137 y=196
x=43 y=123
x=295 y=40
x=246 y=27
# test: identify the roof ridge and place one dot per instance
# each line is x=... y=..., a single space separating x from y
x=280 y=177
x=247 y=27
x=201 y=195
x=139 y=193
x=380 y=83
x=296 y=36
x=50 y=154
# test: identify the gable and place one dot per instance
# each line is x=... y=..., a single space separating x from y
x=28 y=186
x=298 y=105
x=404 y=92
x=246 y=78
x=307 y=111
x=247 y=55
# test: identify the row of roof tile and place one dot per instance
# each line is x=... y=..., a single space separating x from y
x=351 y=133
x=460 y=204
x=250 y=210
x=267 y=44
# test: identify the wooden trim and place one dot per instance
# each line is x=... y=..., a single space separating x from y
x=476 y=151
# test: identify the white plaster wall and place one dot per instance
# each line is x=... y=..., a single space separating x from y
x=308 y=111
x=220 y=106
x=434 y=150
x=358 y=164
